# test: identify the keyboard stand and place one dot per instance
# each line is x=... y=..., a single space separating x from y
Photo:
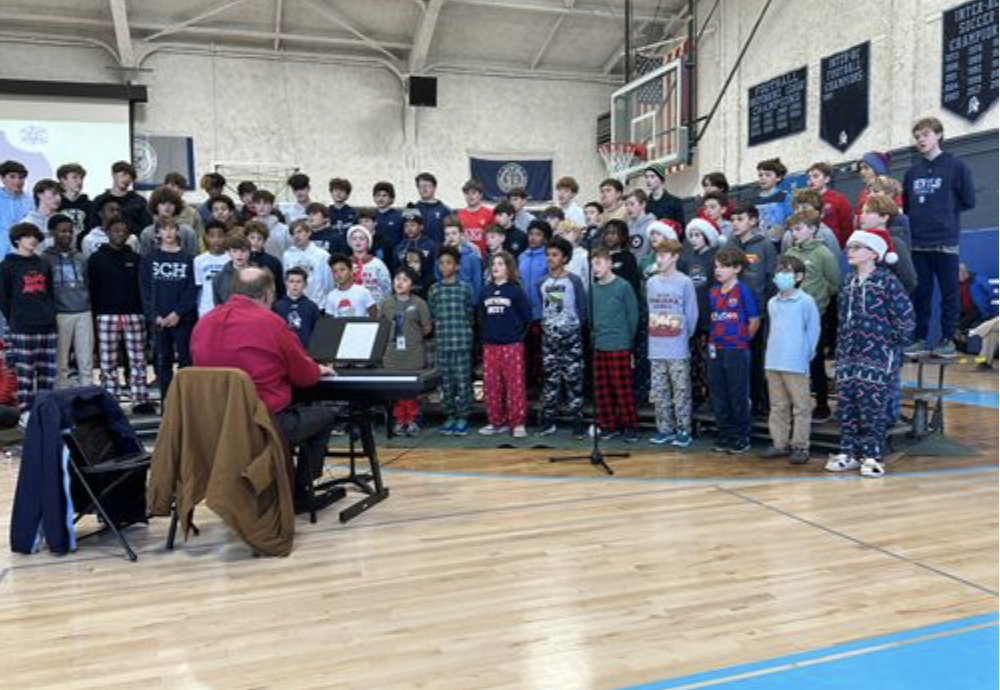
x=370 y=482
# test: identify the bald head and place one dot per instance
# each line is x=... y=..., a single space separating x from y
x=255 y=283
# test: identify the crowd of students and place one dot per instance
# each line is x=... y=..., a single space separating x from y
x=738 y=308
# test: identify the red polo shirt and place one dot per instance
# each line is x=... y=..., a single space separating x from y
x=242 y=334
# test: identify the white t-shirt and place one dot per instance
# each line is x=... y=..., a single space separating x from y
x=313 y=261
x=354 y=301
x=206 y=265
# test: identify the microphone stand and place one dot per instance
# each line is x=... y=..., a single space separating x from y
x=596 y=457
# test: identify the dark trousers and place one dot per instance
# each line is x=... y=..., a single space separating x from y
x=308 y=428
x=173 y=346
x=943 y=268
x=641 y=374
x=729 y=385
x=758 y=379
x=817 y=375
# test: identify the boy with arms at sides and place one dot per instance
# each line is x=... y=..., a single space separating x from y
x=47 y=195
x=388 y=220
x=28 y=307
x=452 y=306
x=209 y=263
x=611 y=191
x=342 y=217
x=639 y=221
x=791 y=346
x=164 y=204
x=566 y=190
x=773 y=204
x=299 y=184
x=614 y=325
x=113 y=277
x=238 y=252
x=734 y=322
x=623 y=261
x=518 y=200
x=132 y=204
x=564 y=313
x=74 y=319
x=75 y=203
x=277 y=238
x=347 y=298
x=186 y=215
x=431 y=209
x=837 y=212
x=475 y=217
x=369 y=270
x=592 y=234
x=170 y=299
x=673 y=317
x=698 y=263
x=415 y=239
x=661 y=203
x=515 y=239
x=531 y=267
x=757 y=275
x=14 y=203
x=495 y=236
x=258 y=236
x=310 y=258
x=470 y=266
x=410 y=321
x=876 y=321
x=323 y=235
x=298 y=311
x=821 y=282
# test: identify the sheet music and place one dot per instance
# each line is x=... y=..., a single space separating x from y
x=358 y=341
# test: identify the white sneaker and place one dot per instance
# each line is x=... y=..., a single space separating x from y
x=490 y=430
x=842 y=462
x=520 y=432
x=22 y=421
x=872 y=468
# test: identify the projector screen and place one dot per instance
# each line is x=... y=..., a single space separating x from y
x=44 y=132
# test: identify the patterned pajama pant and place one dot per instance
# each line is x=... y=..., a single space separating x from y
x=406 y=411
x=562 y=362
x=111 y=329
x=455 y=368
x=32 y=356
x=670 y=392
x=613 y=390
x=503 y=385
x=861 y=412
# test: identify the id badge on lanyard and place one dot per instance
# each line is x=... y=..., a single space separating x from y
x=397 y=318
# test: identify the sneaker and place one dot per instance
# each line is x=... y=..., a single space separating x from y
x=821 y=415
x=631 y=436
x=798 y=456
x=662 y=438
x=490 y=430
x=681 y=440
x=739 y=448
x=608 y=435
x=592 y=430
x=916 y=349
x=461 y=428
x=984 y=366
x=448 y=428
x=520 y=432
x=22 y=422
x=872 y=468
x=579 y=430
x=399 y=429
x=946 y=348
x=146 y=409
x=775 y=452
x=549 y=430
x=412 y=429
x=721 y=446
x=842 y=462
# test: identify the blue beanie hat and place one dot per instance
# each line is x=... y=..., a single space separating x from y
x=877 y=161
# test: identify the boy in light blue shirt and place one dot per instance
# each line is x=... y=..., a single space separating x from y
x=791 y=345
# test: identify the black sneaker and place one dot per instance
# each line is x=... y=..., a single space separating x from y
x=739 y=448
x=821 y=415
x=146 y=409
x=579 y=430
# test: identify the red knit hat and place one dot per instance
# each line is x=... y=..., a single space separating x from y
x=878 y=240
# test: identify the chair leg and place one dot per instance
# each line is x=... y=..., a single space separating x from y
x=104 y=516
x=172 y=532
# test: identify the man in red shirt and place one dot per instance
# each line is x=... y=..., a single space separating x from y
x=245 y=334
x=837 y=212
x=475 y=217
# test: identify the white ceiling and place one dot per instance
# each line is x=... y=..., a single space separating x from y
x=568 y=38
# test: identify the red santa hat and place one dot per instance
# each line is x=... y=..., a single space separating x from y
x=667 y=229
x=708 y=229
x=878 y=240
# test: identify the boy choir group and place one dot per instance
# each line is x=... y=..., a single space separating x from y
x=737 y=308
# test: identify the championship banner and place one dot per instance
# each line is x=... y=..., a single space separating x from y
x=969 y=55
x=155 y=156
x=843 y=107
x=502 y=173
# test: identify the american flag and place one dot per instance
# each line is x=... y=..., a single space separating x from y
x=659 y=93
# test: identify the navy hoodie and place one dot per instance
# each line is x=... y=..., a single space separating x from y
x=434 y=213
x=167 y=283
x=341 y=219
x=389 y=224
x=504 y=314
x=26 y=297
x=935 y=192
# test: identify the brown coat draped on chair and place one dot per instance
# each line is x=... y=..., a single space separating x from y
x=217 y=442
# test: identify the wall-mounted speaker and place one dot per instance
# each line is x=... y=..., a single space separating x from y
x=423 y=91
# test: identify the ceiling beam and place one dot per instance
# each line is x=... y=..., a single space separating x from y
x=123 y=35
x=547 y=8
x=424 y=36
x=180 y=26
x=345 y=23
x=568 y=4
x=278 y=7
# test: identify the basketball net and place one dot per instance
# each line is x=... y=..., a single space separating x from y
x=620 y=157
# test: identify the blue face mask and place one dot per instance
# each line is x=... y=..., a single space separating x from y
x=784 y=281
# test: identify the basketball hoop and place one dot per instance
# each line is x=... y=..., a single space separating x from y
x=620 y=157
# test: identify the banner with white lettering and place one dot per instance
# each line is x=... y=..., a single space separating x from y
x=777 y=108
x=500 y=174
x=969 y=58
x=843 y=85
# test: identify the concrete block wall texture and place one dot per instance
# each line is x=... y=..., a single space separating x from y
x=349 y=120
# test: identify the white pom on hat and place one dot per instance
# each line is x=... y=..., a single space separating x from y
x=708 y=230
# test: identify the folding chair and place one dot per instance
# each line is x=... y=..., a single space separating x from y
x=109 y=473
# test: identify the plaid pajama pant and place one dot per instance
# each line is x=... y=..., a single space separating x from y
x=455 y=367
x=111 y=329
x=503 y=385
x=32 y=356
x=670 y=392
x=613 y=390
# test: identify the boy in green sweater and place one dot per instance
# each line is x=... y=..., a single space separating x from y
x=615 y=321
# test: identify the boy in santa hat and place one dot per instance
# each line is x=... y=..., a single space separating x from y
x=368 y=269
x=876 y=322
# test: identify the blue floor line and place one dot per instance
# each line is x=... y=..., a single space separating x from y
x=966 y=396
x=735 y=675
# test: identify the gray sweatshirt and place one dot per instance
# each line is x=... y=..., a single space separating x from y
x=69 y=281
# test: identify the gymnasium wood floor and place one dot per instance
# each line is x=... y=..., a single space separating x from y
x=484 y=570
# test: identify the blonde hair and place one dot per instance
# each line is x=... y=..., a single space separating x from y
x=882 y=204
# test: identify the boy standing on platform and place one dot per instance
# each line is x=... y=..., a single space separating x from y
x=475 y=217
x=342 y=217
x=410 y=321
x=310 y=258
x=452 y=306
x=773 y=204
x=209 y=263
x=347 y=298
x=298 y=311
x=72 y=299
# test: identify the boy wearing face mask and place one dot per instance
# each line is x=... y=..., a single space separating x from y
x=791 y=345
